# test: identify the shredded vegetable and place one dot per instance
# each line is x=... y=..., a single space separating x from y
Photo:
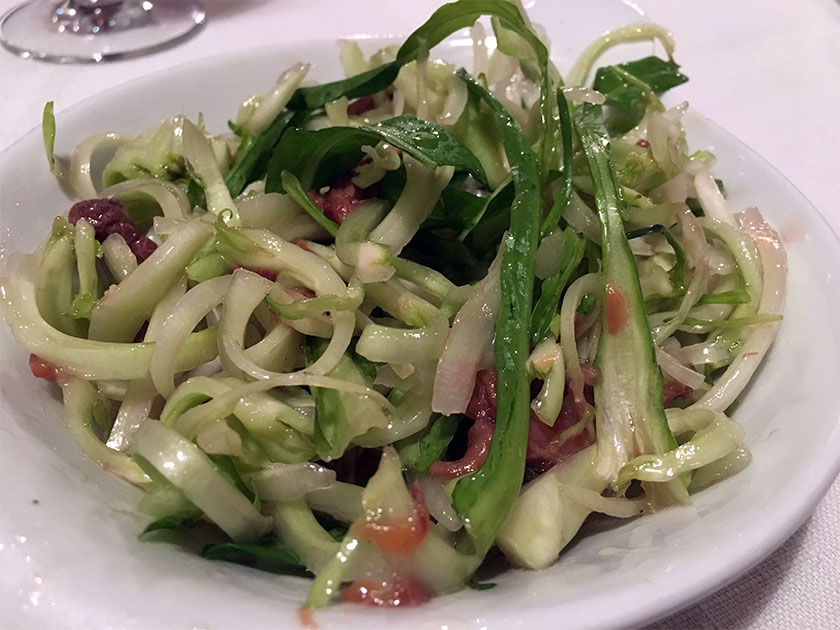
x=391 y=322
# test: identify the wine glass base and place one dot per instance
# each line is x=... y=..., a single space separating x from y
x=35 y=30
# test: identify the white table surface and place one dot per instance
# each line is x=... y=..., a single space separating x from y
x=768 y=71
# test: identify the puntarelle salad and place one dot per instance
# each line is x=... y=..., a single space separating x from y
x=394 y=321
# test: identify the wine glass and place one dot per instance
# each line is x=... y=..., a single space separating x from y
x=75 y=31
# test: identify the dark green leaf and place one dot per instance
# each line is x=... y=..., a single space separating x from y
x=317 y=158
x=365 y=366
x=430 y=144
x=484 y=236
x=296 y=191
x=457 y=210
x=587 y=303
x=480 y=586
x=552 y=287
x=423 y=449
x=358 y=85
x=565 y=193
x=695 y=207
x=227 y=468
x=338 y=532
x=251 y=163
x=446 y=255
x=236 y=129
x=485 y=498
x=443 y=22
x=320 y=157
x=176 y=523
x=195 y=194
x=621 y=94
x=592 y=256
x=268 y=555
x=623 y=87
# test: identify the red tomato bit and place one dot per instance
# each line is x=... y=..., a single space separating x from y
x=615 y=309
x=401 y=539
x=41 y=369
x=307 y=619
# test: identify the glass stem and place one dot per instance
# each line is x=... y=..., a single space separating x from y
x=89 y=17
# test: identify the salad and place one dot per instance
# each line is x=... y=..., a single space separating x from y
x=392 y=322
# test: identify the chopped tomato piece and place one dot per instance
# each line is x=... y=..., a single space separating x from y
x=398 y=592
x=339 y=201
x=109 y=216
x=615 y=309
x=546 y=445
x=401 y=539
x=41 y=369
x=482 y=409
x=307 y=619
x=478 y=445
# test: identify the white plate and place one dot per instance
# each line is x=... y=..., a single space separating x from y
x=68 y=530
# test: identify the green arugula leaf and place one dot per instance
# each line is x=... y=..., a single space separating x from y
x=623 y=85
x=448 y=256
x=445 y=21
x=320 y=157
x=659 y=74
x=485 y=498
x=552 y=287
x=430 y=144
x=587 y=303
x=251 y=163
x=423 y=449
x=296 y=191
x=457 y=210
x=559 y=205
x=268 y=556
x=368 y=82
x=484 y=236
x=175 y=523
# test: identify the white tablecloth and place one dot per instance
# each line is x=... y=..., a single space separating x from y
x=768 y=71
